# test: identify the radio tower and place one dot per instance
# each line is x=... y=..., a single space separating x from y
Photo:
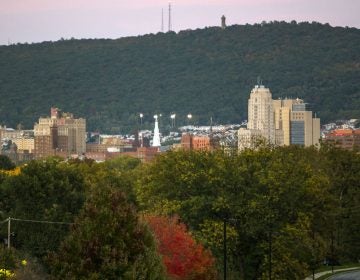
x=170 y=27
x=162 y=20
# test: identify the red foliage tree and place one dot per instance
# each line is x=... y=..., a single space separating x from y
x=182 y=256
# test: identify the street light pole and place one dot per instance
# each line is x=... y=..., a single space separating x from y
x=141 y=117
x=189 y=116
x=173 y=120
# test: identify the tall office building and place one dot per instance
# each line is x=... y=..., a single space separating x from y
x=260 y=119
x=59 y=134
x=261 y=113
x=279 y=122
x=297 y=122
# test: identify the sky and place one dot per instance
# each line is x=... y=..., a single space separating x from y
x=50 y=20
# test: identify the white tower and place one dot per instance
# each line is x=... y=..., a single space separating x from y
x=156 y=139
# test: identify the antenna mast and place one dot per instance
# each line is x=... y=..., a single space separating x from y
x=162 y=20
x=170 y=27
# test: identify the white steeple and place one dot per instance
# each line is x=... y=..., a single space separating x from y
x=156 y=139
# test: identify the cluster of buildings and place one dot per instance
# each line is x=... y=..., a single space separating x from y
x=279 y=122
x=343 y=133
x=60 y=134
x=63 y=135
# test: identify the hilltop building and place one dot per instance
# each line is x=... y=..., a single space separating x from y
x=223 y=22
x=60 y=134
x=278 y=122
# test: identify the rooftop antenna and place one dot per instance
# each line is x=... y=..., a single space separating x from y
x=162 y=20
x=170 y=27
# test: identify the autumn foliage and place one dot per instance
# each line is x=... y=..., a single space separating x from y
x=183 y=257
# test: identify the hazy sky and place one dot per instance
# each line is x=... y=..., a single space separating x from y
x=45 y=20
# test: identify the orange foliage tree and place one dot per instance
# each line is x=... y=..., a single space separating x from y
x=182 y=256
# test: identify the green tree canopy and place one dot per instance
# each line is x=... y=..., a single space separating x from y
x=49 y=190
x=269 y=197
x=6 y=163
x=108 y=242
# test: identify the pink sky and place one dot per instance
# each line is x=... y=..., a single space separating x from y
x=45 y=20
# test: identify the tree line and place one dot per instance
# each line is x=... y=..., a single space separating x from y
x=283 y=212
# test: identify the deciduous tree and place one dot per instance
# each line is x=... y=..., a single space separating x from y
x=183 y=257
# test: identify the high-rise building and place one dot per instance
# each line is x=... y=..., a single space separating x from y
x=59 y=134
x=297 y=122
x=278 y=122
x=261 y=113
x=260 y=126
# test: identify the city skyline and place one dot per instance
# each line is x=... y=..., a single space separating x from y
x=39 y=20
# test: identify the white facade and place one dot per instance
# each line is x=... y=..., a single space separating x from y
x=261 y=113
x=249 y=138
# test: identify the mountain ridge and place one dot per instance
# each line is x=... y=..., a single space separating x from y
x=206 y=72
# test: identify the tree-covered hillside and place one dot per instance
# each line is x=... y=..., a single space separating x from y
x=207 y=72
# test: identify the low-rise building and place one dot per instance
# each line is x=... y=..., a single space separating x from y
x=195 y=142
x=348 y=139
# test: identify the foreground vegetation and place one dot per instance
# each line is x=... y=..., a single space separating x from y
x=286 y=210
x=207 y=72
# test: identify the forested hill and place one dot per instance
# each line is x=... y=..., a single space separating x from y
x=207 y=72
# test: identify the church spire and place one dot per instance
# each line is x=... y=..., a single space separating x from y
x=156 y=139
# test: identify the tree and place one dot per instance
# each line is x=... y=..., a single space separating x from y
x=343 y=167
x=49 y=190
x=107 y=241
x=183 y=257
x=269 y=198
x=6 y=163
x=183 y=72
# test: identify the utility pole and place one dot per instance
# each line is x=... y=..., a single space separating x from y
x=9 y=232
x=162 y=20
x=270 y=253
